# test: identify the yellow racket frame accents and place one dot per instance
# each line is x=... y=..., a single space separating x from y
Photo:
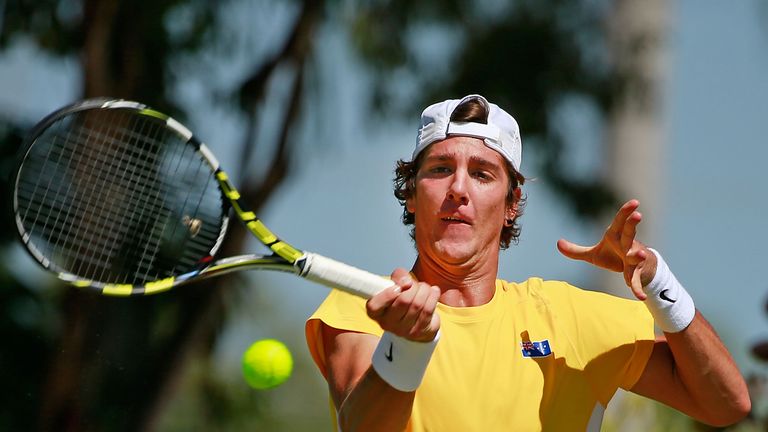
x=285 y=258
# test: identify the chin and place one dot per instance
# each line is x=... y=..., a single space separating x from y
x=455 y=253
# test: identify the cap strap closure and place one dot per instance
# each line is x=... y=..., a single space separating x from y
x=476 y=130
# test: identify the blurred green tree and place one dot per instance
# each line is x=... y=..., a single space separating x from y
x=90 y=363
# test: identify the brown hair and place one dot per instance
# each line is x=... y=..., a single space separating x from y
x=405 y=178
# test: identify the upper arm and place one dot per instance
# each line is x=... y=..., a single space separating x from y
x=658 y=376
x=347 y=356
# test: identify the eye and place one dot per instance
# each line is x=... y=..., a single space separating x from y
x=482 y=175
x=439 y=169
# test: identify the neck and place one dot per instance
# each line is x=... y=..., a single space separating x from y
x=460 y=285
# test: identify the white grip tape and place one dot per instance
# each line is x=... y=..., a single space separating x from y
x=402 y=362
x=335 y=274
x=670 y=304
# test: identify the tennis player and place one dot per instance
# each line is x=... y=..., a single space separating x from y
x=449 y=347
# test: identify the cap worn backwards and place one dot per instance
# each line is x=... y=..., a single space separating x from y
x=501 y=133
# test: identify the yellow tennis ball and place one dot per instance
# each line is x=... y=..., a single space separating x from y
x=267 y=363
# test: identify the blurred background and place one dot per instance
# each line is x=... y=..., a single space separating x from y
x=309 y=104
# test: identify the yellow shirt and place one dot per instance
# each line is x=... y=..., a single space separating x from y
x=541 y=355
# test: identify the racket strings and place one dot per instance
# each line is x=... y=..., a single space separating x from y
x=48 y=191
x=104 y=189
x=150 y=190
x=82 y=171
x=90 y=240
x=197 y=249
x=181 y=162
x=48 y=204
x=114 y=207
x=182 y=167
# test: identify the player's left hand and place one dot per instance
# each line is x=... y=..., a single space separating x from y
x=618 y=250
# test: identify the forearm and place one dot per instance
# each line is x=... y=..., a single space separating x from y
x=374 y=405
x=374 y=380
x=693 y=370
x=707 y=371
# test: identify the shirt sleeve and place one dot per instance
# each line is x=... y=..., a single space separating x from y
x=341 y=311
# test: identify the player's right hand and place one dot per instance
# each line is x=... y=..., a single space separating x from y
x=407 y=309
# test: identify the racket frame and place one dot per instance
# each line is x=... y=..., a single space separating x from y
x=285 y=257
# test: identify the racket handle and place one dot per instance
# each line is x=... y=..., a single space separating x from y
x=335 y=274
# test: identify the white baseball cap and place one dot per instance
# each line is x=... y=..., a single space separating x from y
x=501 y=133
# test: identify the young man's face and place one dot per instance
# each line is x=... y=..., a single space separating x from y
x=460 y=201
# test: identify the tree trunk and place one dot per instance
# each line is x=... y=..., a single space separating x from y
x=635 y=133
x=637 y=31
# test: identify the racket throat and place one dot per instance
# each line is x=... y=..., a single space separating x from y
x=303 y=264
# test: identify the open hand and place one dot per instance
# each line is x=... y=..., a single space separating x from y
x=618 y=250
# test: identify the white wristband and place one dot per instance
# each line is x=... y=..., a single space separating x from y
x=402 y=362
x=670 y=304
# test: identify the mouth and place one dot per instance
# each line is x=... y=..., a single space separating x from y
x=454 y=219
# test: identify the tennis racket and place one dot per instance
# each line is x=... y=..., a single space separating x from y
x=116 y=197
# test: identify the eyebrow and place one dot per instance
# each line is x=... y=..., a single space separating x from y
x=484 y=162
x=473 y=159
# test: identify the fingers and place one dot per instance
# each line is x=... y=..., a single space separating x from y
x=635 y=265
x=643 y=269
x=379 y=303
x=636 y=286
x=637 y=254
x=619 y=250
x=426 y=322
x=617 y=225
x=407 y=309
x=401 y=276
x=573 y=251
x=629 y=230
x=620 y=235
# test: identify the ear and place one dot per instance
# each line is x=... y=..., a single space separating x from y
x=410 y=205
x=511 y=212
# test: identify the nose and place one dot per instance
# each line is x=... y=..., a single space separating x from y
x=457 y=191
